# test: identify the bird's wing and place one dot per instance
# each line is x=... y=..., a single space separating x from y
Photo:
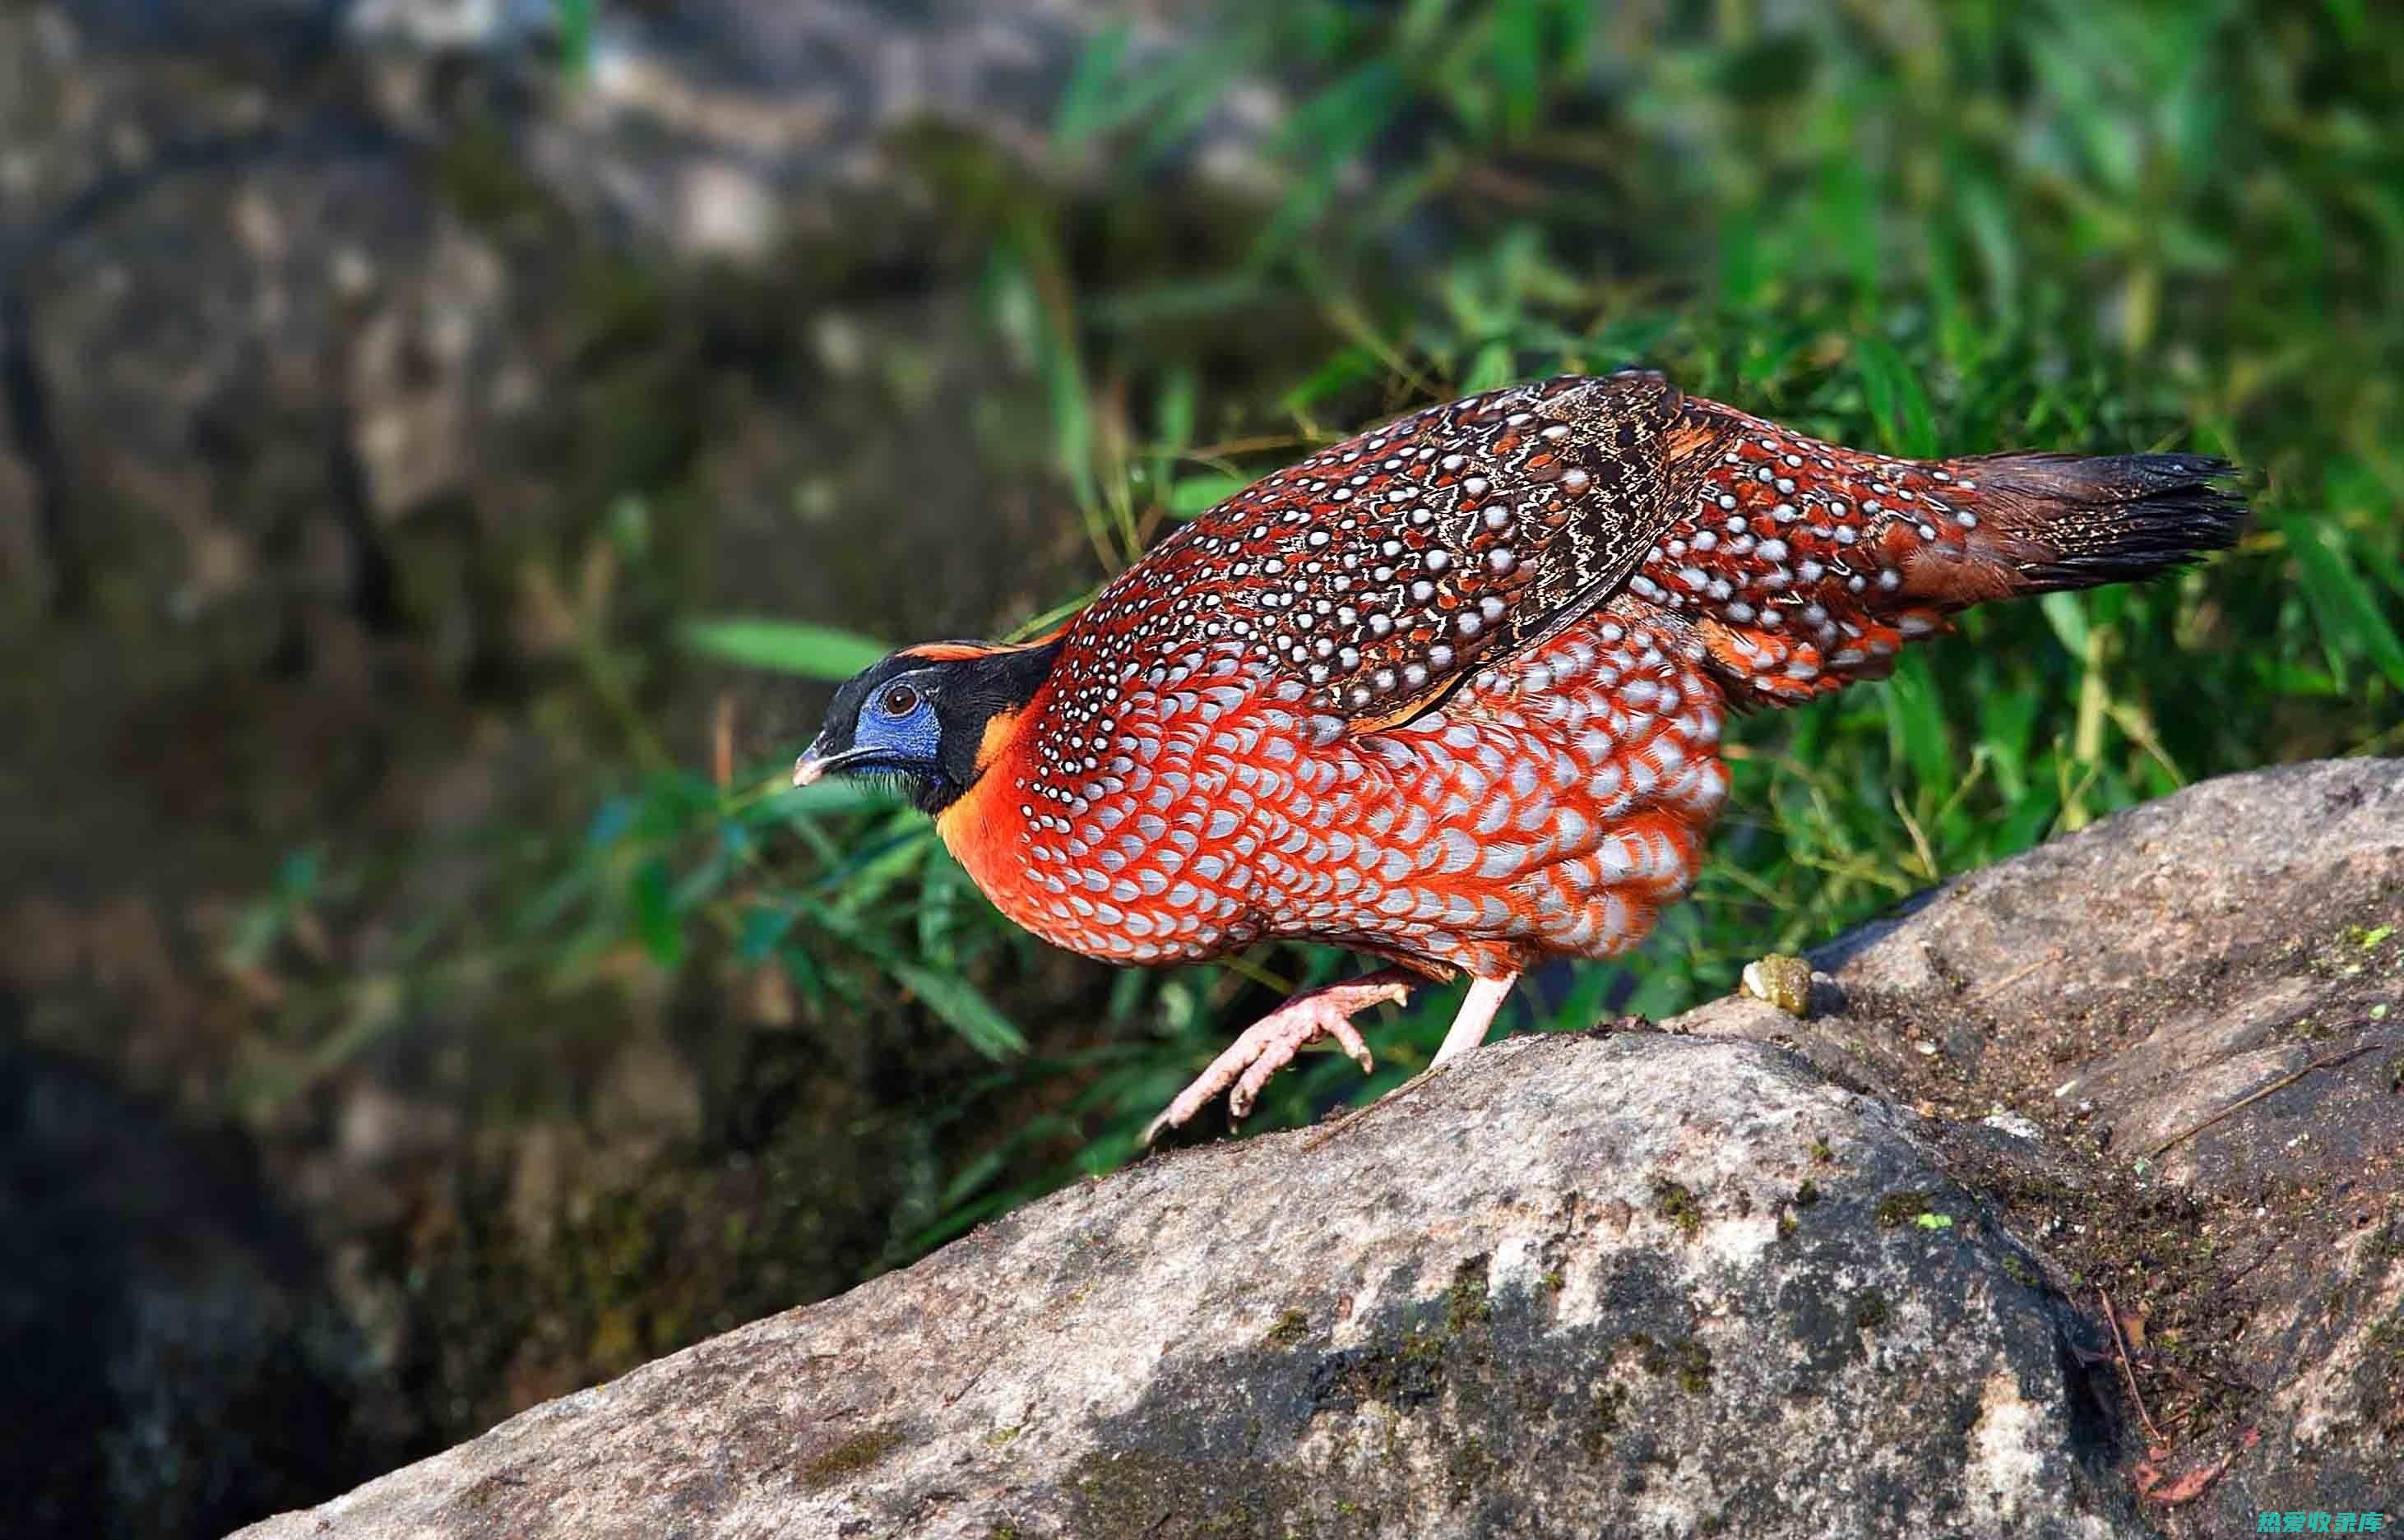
x=1380 y=570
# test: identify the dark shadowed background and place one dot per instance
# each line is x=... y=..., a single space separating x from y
x=446 y=446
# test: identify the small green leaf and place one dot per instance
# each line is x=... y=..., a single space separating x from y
x=1173 y=420
x=297 y=874
x=256 y=929
x=1491 y=368
x=1085 y=104
x=1348 y=366
x=1915 y=715
x=878 y=864
x=826 y=798
x=611 y=821
x=814 y=652
x=1195 y=494
x=655 y=914
x=1515 y=61
x=575 y=37
x=1176 y=410
x=2066 y=613
x=1934 y=1221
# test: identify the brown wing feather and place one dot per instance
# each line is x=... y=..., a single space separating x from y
x=1378 y=571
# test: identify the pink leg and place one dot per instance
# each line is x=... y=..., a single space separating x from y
x=1271 y=1043
x=1475 y=1018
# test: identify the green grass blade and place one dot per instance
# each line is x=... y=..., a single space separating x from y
x=1896 y=400
x=2348 y=612
x=1195 y=494
x=964 y=1007
x=786 y=646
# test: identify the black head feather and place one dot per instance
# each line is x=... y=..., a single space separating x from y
x=920 y=715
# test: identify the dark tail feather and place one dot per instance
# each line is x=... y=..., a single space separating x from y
x=2073 y=521
x=1807 y=565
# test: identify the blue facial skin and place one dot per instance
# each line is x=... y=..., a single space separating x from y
x=884 y=740
x=896 y=729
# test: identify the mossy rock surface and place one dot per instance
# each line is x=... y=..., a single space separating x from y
x=2164 y=1047
x=1576 y=1285
x=1469 y=1309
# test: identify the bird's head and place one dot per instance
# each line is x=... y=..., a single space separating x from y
x=932 y=716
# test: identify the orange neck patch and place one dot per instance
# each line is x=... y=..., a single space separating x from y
x=970 y=826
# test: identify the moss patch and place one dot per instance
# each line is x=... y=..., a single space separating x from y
x=2153 y=1249
x=1470 y=1300
x=1290 y=1327
x=2380 y=1380
x=1681 y=1359
x=864 y=1450
x=1404 y=1374
x=1900 y=1208
x=1142 y=1491
x=1407 y=1369
x=1675 y=1203
x=1468 y=1469
x=1608 y=1415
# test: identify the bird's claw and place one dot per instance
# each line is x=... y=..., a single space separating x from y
x=1256 y=1074
x=1271 y=1043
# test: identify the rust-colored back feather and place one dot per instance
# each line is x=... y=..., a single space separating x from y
x=1378 y=570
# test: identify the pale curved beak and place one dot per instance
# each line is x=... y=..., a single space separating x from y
x=813 y=765
x=815 y=762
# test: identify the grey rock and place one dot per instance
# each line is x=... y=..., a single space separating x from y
x=329 y=417
x=239 y=326
x=715 y=129
x=1655 y=1283
x=2199 y=1007
x=1645 y=1281
x=277 y=278
x=168 y=1361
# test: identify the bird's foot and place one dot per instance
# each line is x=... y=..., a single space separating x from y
x=1270 y=1043
x=1468 y=1029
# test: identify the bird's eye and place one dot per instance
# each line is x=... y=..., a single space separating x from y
x=900 y=701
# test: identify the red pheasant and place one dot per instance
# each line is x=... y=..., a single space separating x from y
x=1450 y=692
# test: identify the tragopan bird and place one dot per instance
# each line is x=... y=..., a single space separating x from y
x=1450 y=693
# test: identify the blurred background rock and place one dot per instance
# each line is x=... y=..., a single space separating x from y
x=415 y=998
